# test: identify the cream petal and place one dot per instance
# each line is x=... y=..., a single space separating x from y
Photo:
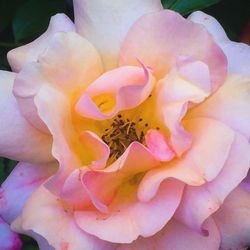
x=47 y=216
x=230 y=104
x=70 y=63
x=66 y=146
x=19 y=140
x=105 y=23
x=29 y=53
x=238 y=54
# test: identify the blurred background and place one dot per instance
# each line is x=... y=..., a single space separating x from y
x=21 y=21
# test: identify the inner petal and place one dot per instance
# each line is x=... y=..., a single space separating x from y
x=105 y=102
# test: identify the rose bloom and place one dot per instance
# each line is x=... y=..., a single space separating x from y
x=132 y=129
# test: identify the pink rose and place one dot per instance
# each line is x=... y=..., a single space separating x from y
x=132 y=131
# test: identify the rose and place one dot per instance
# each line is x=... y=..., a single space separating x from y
x=147 y=116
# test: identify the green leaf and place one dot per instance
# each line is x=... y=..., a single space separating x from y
x=32 y=18
x=6 y=166
x=185 y=7
x=7 y=11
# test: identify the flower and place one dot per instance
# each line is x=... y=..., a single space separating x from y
x=9 y=239
x=131 y=128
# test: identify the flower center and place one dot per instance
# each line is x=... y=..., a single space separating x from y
x=122 y=133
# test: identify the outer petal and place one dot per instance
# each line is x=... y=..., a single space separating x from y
x=230 y=104
x=178 y=237
x=18 y=187
x=130 y=217
x=68 y=64
x=19 y=140
x=233 y=220
x=29 y=53
x=199 y=203
x=8 y=239
x=238 y=54
x=201 y=163
x=47 y=216
x=105 y=23
x=158 y=39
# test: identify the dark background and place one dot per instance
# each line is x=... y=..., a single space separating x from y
x=21 y=21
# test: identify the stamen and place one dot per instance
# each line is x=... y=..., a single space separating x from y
x=120 y=135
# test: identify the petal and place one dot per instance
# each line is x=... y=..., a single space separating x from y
x=9 y=240
x=19 y=57
x=178 y=237
x=105 y=24
x=188 y=83
x=116 y=90
x=97 y=150
x=48 y=217
x=100 y=186
x=158 y=39
x=238 y=54
x=199 y=203
x=133 y=218
x=233 y=220
x=18 y=187
x=230 y=104
x=70 y=63
x=212 y=141
x=19 y=140
x=158 y=145
x=66 y=146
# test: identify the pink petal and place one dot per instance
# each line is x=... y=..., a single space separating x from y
x=19 y=140
x=133 y=218
x=178 y=237
x=238 y=54
x=105 y=24
x=159 y=38
x=230 y=104
x=69 y=64
x=201 y=163
x=19 y=57
x=18 y=187
x=129 y=86
x=48 y=217
x=95 y=148
x=9 y=240
x=233 y=220
x=99 y=186
x=158 y=145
